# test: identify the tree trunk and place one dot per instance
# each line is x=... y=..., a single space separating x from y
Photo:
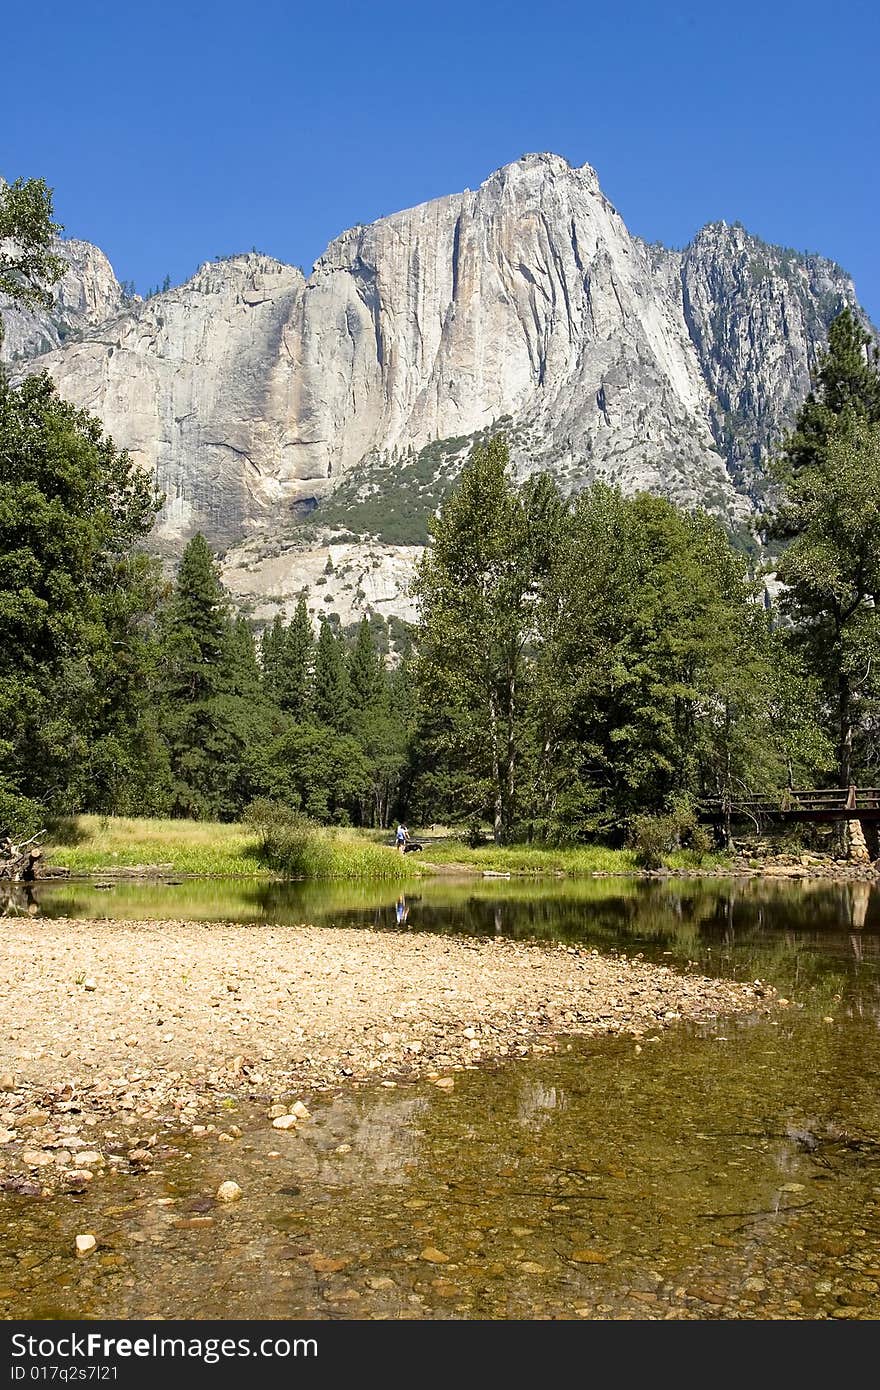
x=844 y=763
x=846 y=733
x=498 y=816
x=510 y=770
x=19 y=863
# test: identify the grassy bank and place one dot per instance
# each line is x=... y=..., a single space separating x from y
x=573 y=859
x=92 y=845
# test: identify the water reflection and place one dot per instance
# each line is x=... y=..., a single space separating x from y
x=728 y=1170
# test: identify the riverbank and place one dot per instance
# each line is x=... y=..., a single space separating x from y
x=114 y=848
x=90 y=846
x=117 y=1031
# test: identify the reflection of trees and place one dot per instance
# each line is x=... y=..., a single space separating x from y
x=819 y=937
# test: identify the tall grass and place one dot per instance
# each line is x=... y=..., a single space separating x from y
x=296 y=847
x=528 y=859
x=208 y=849
x=92 y=844
x=293 y=848
x=320 y=852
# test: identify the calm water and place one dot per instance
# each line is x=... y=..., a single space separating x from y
x=725 y=1171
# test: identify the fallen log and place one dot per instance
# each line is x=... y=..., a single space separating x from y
x=19 y=863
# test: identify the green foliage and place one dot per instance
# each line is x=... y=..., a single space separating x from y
x=284 y=833
x=474 y=586
x=831 y=567
x=330 y=698
x=75 y=595
x=294 y=845
x=213 y=716
x=654 y=839
x=847 y=386
x=584 y=662
x=28 y=265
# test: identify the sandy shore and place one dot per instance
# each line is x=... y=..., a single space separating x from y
x=153 y=1023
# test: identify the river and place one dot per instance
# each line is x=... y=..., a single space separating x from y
x=724 y=1171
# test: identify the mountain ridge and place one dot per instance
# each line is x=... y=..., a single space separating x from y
x=253 y=393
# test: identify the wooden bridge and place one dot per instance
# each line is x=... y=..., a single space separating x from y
x=817 y=804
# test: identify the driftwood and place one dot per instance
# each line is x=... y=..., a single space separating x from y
x=20 y=863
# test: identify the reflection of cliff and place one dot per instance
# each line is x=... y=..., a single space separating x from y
x=384 y=1134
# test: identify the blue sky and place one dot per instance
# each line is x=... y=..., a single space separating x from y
x=174 y=132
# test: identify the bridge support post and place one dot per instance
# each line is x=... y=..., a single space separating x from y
x=856 y=845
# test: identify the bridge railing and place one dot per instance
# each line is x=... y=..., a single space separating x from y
x=824 y=800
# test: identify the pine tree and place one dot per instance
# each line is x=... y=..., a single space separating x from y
x=847 y=384
x=212 y=715
x=197 y=628
x=330 y=689
x=272 y=645
x=244 y=668
x=75 y=597
x=473 y=586
x=295 y=663
x=365 y=671
x=831 y=517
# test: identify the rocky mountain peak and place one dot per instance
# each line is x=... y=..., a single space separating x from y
x=258 y=397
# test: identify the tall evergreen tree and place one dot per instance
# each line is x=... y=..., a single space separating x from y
x=212 y=717
x=330 y=698
x=74 y=595
x=831 y=573
x=474 y=589
x=244 y=668
x=295 y=665
x=847 y=384
x=272 y=644
x=366 y=681
x=830 y=468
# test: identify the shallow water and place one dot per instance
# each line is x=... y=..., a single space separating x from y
x=723 y=1171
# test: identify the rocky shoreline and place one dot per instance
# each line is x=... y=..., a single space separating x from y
x=119 y=1033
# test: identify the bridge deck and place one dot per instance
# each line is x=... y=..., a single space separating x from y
x=815 y=804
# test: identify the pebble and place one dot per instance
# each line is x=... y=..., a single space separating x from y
x=284 y=1122
x=228 y=1191
x=85 y=1244
x=77 y=1179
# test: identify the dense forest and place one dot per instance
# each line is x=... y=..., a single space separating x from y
x=580 y=662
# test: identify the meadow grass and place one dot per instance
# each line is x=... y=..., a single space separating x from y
x=561 y=859
x=90 y=845
x=528 y=859
x=210 y=849
x=329 y=852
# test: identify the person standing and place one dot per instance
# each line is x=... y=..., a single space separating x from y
x=401 y=838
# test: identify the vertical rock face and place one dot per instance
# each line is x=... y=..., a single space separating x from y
x=251 y=392
x=527 y=299
x=196 y=383
x=87 y=295
x=757 y=315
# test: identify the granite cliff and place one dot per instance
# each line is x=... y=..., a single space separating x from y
x=257 y=396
